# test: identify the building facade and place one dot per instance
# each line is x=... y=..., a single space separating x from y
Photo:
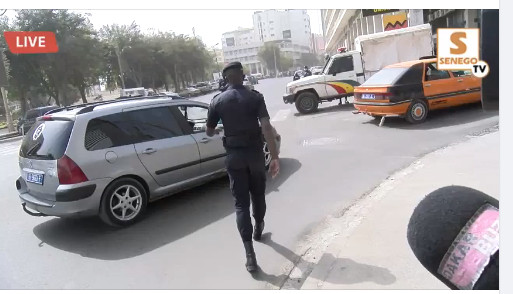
x=289 y=29
x=318 y=44
x=342 y=26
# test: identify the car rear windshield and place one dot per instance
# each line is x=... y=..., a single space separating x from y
x=46 y=140
x=386 y=76
x=33 y=113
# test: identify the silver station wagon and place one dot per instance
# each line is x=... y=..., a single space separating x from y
x=111 y=158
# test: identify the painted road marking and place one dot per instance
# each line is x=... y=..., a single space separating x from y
x=281 y=115
x=9 y=149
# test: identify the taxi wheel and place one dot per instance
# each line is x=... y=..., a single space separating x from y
x=307 y=102
x=417 y=112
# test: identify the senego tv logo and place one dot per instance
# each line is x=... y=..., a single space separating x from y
x=458 y=49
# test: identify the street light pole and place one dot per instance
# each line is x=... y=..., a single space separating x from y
x=275 y=66
x=118 y=54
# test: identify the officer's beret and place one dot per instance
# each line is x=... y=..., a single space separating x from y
x=231 y=65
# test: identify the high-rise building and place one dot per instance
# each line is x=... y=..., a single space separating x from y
x=289 y=29
x=318 y=44
x=342 y=26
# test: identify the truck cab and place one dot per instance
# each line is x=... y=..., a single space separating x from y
x=341 y=73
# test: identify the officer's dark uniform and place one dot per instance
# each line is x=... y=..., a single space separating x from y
x=240 y=110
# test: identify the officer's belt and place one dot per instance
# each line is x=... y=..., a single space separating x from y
x=241 y=141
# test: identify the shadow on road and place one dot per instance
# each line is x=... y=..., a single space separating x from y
x=166 y=220
x=329 y=109
x=343 y=270
x=288 y=167
x=440 y=118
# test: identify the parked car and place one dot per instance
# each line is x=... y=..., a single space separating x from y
x=316 y=70
x=413 y=89
x=26 y=122
x=190 y=92
x=204 y=87
x=248 y=84
x=172 y=95
x=252 y=79
x=110 y=159
x=134 y=92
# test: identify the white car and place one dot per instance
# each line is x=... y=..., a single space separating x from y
x=190 y=92
x=248 y=84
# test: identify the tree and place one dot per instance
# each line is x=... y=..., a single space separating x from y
x=118 y=39
x=71 y=64
x=285 y=63
x=310 y=59
x=267 y=54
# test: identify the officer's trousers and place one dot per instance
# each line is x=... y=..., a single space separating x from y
x=247 y=183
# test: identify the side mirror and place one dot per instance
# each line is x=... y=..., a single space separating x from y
x=334 y=74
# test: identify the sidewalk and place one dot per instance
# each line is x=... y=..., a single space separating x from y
x=369 y=249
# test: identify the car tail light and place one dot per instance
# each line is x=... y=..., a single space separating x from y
x=69 y=172
x=383 y=96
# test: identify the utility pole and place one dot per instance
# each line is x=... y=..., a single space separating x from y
x=4 y=83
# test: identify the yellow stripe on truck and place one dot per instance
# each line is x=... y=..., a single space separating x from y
x=348 y=88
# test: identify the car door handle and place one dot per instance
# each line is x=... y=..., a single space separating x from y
x=460 y=80
x=205 y=140
x=428 y=85
x=149 y=151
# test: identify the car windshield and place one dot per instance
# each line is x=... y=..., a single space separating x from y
x=386 y=76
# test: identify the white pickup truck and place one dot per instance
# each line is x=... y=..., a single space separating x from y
x=346 y=70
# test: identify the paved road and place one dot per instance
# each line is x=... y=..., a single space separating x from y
x=190 y=241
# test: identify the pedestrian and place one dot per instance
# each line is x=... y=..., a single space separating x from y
x=240 y=111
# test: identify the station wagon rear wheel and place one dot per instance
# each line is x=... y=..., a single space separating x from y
x=417 y=112
x=123 y=202
x=267 y=155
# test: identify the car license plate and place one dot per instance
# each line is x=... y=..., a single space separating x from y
x=35 y=178
x=368 y=96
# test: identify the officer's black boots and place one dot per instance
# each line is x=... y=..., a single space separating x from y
x=251 y=262
x=257 y=232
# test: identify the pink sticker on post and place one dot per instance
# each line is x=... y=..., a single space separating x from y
x=470 y=252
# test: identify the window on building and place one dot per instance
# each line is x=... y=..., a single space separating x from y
x=272 y=35
x=271 y=21
x=230 y=42
x=287 y=34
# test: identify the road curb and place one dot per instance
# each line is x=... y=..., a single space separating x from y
x=343 y=222
x=10 y=139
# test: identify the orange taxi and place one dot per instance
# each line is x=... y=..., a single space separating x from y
x=412 y=89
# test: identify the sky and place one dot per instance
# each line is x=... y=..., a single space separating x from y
x=208 y=24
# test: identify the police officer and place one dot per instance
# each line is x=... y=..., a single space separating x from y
x=306 y=72
x=240 y=110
